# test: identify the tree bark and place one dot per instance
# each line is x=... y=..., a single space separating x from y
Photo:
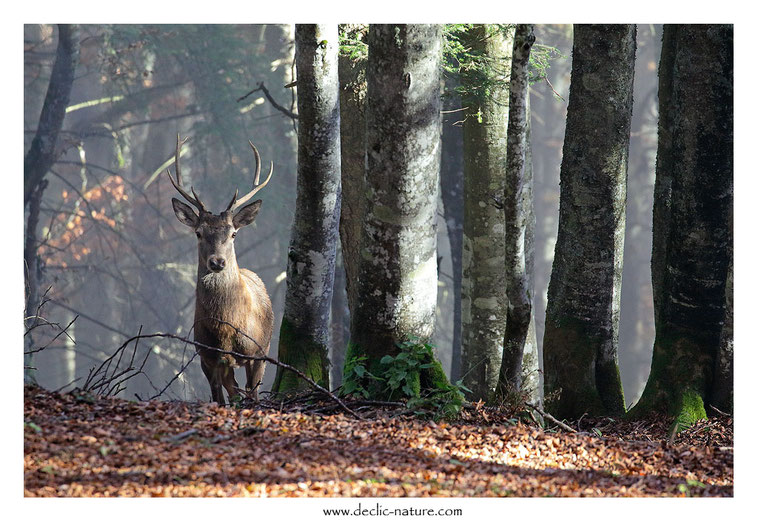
x=451 y=191
x=41 y=154
x=531 y=376
x=339 y=323
x=304 y=334
x=581 y=324
x=484 y=158
x=396 y=292
x=517 y=204
x=692 y=235
x=352 y=79
x=722 y=392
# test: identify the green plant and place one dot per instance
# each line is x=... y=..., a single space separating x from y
x=352 y=39
x=415 y=375
x=484 y=73
x=354 y=378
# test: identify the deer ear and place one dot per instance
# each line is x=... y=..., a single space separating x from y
x=184 y=213
x=246 y=214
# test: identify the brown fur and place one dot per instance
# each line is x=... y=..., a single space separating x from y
x=232 y=308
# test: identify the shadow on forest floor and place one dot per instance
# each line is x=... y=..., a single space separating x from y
x=111 y=447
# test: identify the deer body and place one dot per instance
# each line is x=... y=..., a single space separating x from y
x=232 y=308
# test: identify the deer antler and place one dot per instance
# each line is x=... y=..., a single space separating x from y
x=236 y=203
x=178 y=183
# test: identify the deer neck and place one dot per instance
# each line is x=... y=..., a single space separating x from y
x=219 y=287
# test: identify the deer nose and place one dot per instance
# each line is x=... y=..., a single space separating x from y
x=216 y=263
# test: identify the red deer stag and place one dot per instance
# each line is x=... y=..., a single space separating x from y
x=232 y=308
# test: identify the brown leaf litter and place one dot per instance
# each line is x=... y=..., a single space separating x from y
x=78 y=445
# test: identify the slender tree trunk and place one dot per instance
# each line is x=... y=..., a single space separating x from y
x=581 y=324
x=396 y=292
x=339 y=322
x=451 y=185
x=352 y=79
x=484 y=152
x=41 y=154
x=692 y=231
x=531 y=376
x=37 y=162
x=304 y=334
x=517 y=204
x=32 y=269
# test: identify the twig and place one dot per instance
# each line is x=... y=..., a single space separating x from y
x=551 y=418
x=714 y=408
x=237 y=355
x=181 y=436
x=553 y=89
x=283 y=110
x=175 y=377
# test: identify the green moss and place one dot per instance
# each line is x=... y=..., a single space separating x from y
x=691 y=409
x=678 y=379
x=301 y=351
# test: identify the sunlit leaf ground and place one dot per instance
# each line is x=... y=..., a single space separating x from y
x=85 y=446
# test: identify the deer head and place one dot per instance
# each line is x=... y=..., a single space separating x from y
x=216 y=232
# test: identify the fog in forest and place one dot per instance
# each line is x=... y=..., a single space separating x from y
x=117 y=263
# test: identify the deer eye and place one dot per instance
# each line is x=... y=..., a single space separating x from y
x=234 y=234
x=197 y=233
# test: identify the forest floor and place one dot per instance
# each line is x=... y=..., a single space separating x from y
x=80 y=445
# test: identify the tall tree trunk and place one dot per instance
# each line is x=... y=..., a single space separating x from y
x=581 y=324
x=451 y=185
x=396 y=292
x=692 y=228
x=352 y=79
x=37 y=162
x=517 y=204
x=531 y=376
x=484 y=158
x=41 y=154
x=304 y=334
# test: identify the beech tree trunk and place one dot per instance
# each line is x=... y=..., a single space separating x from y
x=518 y=207
x=451 y=185
x=531 y=376
x=396 y=292
x=352 y=79
x=483 y=298
x=692 y=226
x=581 y=324
x=304 y=334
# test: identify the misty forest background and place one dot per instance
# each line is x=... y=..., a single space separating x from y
x=116 y=262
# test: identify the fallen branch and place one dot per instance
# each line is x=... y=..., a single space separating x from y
x=181 y=436
x=551 y=418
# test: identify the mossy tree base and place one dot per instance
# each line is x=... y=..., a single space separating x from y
x=301 y=351
x=679 y=377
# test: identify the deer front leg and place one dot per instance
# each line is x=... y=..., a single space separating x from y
x=226 y=374
x=210 y=371
x=254 y=372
